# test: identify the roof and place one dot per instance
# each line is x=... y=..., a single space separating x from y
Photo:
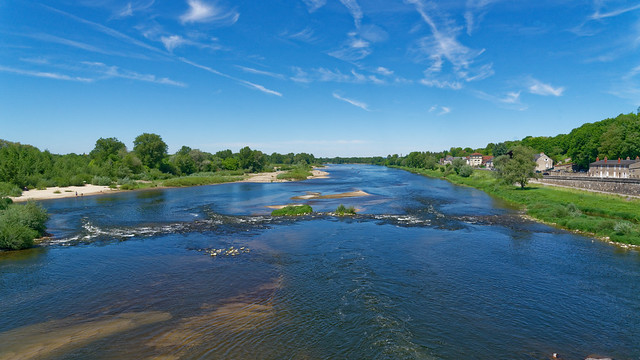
x=538 y=156
x=476 y=154
x=612 y=162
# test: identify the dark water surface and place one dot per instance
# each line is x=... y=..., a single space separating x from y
x=427 y=270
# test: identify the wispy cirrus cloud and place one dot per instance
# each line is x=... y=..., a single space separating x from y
x=132 y=7
x=108 y=31
x=200 y=11
x=355 y=103
x=241 y=81
x=355 y=10
x=260 y=72
x=314 y=5
x=327 y=75
x=510 y=100
x=44 y=74
x=111 y=71
x=354 y=48
x=439 y=110
x=599 y=14
x=475 y=12
x=539 y=88
x=172 y=42
x=442 y=48
x=306 y=35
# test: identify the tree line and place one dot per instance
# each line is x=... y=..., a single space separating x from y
x=614 y=138
x=25 y=166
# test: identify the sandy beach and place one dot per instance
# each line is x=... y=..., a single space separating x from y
x=63 y=192
x=88 y=190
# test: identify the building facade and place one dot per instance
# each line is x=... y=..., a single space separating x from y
x=620 y=169
x=543 y=162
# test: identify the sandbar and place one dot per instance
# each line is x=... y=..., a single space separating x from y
x=63 y=192
x=349 y=194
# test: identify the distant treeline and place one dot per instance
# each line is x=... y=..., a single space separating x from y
x=614 y=138
x=110 y=162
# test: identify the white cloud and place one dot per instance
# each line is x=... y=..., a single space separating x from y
x=314 y=5
x=539 y=88
x=475 y=11
x=384 y=71
x=42 y=74
x=442 y=45
x=354 y=9
x=612 y=13
x=200 y=11
x=172 y=42
x=115 y=72
x=241 y=81
x=356 y=103
x=260 y=72
x=443 y=110
x=126 y=11
x=300 y=75
x=305 y=35
x=510 y=100
x=354 y=49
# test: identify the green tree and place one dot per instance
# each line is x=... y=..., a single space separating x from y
x=107 y=149
x=518 y=168
x=150 y=149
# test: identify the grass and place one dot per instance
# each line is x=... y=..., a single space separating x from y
x=606 y=216
x=292 y=210
x=343 y=210
x=296 y=173
x=200 y=180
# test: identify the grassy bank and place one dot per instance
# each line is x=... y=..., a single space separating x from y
x=292 y=210
x=299 y=172
x=606 y=216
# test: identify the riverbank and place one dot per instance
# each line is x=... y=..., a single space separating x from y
x=90 y=190
x=607 y=217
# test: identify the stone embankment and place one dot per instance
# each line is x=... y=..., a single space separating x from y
x=606 y=185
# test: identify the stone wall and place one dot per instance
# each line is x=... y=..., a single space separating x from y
x=616 y=186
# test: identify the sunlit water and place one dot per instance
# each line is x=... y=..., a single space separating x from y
x=427 y=270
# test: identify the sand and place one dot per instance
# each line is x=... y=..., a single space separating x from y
x=349 y=194
x=273 y=176
x=87 y=190
x=63 y=192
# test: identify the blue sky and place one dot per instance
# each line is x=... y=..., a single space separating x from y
x=329 y=77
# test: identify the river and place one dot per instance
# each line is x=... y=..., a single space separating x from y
x=426 y=270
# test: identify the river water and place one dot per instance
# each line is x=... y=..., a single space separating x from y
x=426 y=270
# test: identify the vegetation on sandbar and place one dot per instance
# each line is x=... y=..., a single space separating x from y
x=343 y=210
x=292 y=210
x=298 y=172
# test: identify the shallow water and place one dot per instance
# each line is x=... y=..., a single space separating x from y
x=427 y=270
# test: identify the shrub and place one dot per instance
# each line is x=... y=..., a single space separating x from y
x=343 y=210
x=8 y=189
x=622 y=228
x=465 y=171
x=101 y=180
x=292 y=210
x=20 y=225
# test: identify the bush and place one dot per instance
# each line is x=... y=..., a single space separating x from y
x=101 y=180
x=623 y=228
x=5 y=202
x=465 y=171
x=8 y=189
x=343 y=210
x=20 y=225
x=292 y=210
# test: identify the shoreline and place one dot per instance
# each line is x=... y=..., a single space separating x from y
x=57 y=192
